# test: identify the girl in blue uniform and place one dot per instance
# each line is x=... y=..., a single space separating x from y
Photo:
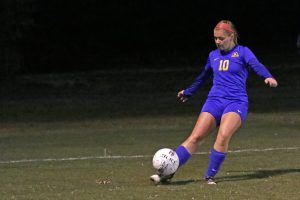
x=226 y=106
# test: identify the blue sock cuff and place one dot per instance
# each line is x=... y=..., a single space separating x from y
x=182 y=154
x=217 y=152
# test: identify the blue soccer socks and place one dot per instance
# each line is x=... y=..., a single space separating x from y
x=216 y=159
x=183 y=154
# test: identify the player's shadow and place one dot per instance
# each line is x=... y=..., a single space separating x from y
x=182 y=182
x=257 y=174
x=243 y=175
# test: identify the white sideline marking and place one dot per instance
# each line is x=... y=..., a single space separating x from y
x=133 y=156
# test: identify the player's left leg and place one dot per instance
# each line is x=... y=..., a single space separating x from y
x=230 y=122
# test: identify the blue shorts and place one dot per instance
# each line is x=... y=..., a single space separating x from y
x=218 y=107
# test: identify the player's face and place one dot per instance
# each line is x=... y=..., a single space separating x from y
x=223 y=40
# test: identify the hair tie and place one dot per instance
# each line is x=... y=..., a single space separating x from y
x=225 y=26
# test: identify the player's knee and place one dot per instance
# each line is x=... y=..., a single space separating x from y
x=223 y=139
x=195 y=139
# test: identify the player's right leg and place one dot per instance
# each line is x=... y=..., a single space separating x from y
x=204 y=125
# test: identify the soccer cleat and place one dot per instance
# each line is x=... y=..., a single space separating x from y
x=210 y=180
x=156 y=178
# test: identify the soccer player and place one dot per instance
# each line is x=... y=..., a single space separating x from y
x=226 y=105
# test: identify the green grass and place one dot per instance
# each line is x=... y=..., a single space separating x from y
x=270 y=174
x=91 y=117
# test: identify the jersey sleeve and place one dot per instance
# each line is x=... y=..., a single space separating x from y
x=200 y=80
x=255 y=65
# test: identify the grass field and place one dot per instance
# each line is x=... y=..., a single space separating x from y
x=92 y=136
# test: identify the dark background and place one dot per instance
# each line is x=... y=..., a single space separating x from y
x=55 y=36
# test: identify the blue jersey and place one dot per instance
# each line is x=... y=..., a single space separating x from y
x=230 y=72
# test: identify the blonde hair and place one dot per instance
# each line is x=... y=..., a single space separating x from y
x=228 y=27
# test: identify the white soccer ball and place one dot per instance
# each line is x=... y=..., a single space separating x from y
x=165 y=161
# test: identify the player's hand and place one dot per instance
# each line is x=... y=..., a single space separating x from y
x=181 y=96
x=271 y=82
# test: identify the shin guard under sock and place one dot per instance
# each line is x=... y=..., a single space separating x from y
x=216 y=159
x=183 y=154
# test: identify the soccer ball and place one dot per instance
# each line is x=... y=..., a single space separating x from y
x=165 y=161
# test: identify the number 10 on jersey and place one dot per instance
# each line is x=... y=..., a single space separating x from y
x=223 y=65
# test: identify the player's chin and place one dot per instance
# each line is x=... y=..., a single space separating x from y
x=221 y=48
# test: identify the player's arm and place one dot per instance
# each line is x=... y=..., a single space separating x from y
x=259 y=68
x=262 y=71
x=198 y=82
